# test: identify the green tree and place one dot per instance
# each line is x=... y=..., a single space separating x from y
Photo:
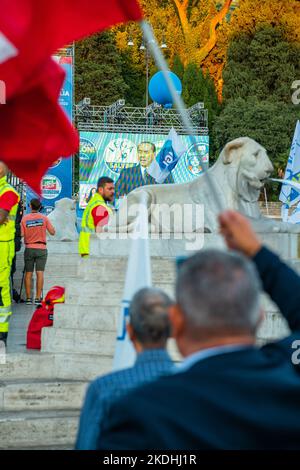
x=269 y=122
x=178 y=67
x=98 y=71
x=193 y=87
x=211 y=101
x=262 y=64
x=199 y=88
x=261 y=68
x=134 y=76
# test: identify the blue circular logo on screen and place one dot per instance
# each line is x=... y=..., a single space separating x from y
x=196 y=155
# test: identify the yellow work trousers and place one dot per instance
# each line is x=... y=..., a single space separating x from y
x=84 y=243
x=7 y=253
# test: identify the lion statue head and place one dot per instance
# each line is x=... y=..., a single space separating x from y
x=247 y=166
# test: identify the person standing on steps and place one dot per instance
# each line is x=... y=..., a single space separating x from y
x=9 y=200
x=96 y=214
x=18 y=245
x=34 y=229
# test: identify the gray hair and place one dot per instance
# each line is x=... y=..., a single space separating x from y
x=149 y=315
x=219 y=291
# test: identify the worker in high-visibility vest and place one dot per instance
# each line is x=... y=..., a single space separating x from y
x=97 y=213
x=9 y=200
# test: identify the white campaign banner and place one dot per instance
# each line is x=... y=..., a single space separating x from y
x=138 y=275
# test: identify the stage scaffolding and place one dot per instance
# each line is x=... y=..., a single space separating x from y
x=154 y=119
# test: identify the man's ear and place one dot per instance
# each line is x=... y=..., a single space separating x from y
x=177 y=320
x=229 y=149
x=130 y=332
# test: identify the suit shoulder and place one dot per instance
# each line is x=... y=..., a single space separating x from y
x=156 y=387
x=283 y=347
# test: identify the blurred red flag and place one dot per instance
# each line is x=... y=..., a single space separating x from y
x=34 y=130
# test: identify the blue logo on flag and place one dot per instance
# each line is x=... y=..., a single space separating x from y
x=167 y=158
x=125 y=314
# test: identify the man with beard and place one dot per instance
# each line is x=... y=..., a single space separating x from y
x=97 y=213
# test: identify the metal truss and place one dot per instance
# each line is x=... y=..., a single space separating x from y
x=154 y=119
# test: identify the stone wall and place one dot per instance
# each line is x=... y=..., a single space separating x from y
x=273 y=209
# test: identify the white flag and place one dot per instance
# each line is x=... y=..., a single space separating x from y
x=138 y=275
x=167 y=157
x=288 y=195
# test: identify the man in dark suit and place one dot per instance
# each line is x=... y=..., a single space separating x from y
x=230 y=394
x=132 y=178
x=148 y=329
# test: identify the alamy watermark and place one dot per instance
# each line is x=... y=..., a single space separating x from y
x=296 y=94
x=296 y=354
x=156 y=222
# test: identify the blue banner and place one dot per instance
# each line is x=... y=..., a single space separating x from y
x=57 y=183
x=110 y=154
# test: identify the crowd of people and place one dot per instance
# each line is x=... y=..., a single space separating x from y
x=228 y=393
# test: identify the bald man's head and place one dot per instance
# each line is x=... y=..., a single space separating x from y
x=3 y=169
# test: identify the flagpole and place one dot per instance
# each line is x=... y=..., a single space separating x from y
x=266 y=200
x=177 y=100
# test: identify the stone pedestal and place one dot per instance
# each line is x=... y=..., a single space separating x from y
x=284 y=244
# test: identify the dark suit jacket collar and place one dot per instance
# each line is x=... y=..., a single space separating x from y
x=152 y=355
x=215 y=355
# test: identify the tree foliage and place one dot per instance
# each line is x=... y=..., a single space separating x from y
x=269 y=122
x=189 y=29
x=263 y=64
x=99 y=70
x=261 y=68
x=200 y=88
x=178 y=67
x=135 y=79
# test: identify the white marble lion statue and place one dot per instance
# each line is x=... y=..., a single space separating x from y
x=238 y=176
x=63 y=218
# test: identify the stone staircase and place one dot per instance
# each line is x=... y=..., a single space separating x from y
x=41 y=392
